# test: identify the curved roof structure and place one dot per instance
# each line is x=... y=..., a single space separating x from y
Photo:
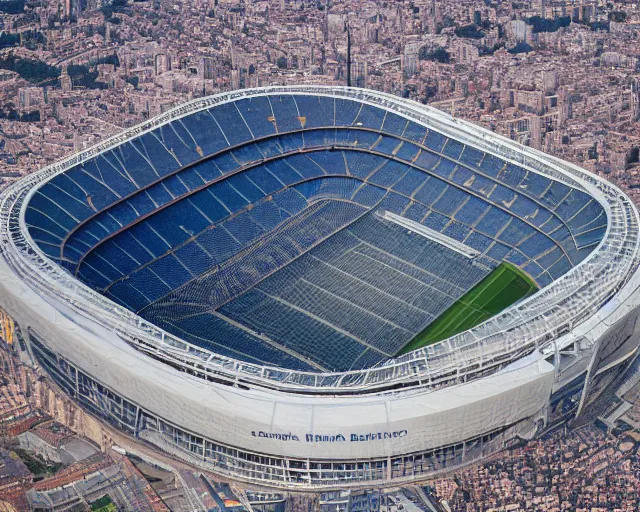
x=298 y=238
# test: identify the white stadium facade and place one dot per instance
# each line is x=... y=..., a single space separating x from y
x=255 y=331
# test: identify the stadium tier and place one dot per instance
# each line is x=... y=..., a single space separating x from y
x=249 y=225
x=308 y=286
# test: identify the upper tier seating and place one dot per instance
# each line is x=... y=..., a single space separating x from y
x=216 y=225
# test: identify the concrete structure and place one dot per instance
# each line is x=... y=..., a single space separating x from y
x=541 y=361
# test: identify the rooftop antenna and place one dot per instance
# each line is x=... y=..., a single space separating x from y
x=348 y=55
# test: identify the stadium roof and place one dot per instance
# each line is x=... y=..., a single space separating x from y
x=598 y=255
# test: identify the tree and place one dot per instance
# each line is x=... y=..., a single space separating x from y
x=77 y=70
x=521 y=47
x=546 y=25
x=35 y=71
x=12 y=6
x=618 y=16
x=469 y=32
x=438 y=55
x=282 y=62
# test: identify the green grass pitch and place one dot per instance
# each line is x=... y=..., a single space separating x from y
x=501 y=288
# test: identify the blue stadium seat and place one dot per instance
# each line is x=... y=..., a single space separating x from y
x=497 y=251
x=386 y=145
x=515 y=232
x=105 y=267
x=416 y=212
x=478 y=241
x=370 y=117
x=247 y=154
x=159 y=194
x=503 y=196
x=313 y=139
x=471 y=211
x=592 y=215
x=555 y=194
x=427 y=160
x=547 y=259
x=394 y=124
x=283 y=172
x=243 y=229
x=415 y=132
x=274 y=146
x=493 y=222
x=512 y=175
x=212 y=332
x=361 y=164
x=257 y=310
x=206 y=134
x=135 y=248
x=290 y=200
x=318 y=111
x=471 y=157
x=445 y=169
x=572 y=204
x=526 y=208
x=533 y=269
x=196 y=225
x=58 y=220
x=457 y=231
x=206 y=202
x=218 y=244
x=268 y=215
x=452 y=199
x=257 y=113
x=286 y=113
x=98 y=196
x=178 y=141
x=491 y=165
x=560 y=268
x=389 y=174
x=346 y=112
x=228 y=119
x=436 y=221
x=73 y=205
x=232 y=200
x=331 y=162
x=115 y=167
x=243 y=185
x=453 y=149
x=95 y=279
x=407 y=151
x=170 y=270
x=194 y=258
x=162 y=159
x=150 y=240
x=207 y=170
x=590 y=238
x=534 y=185
x=431 y=191
x=463 y=176
x=482 y=185
x=368 y=195
x=175 y=186
x=535 y=245
x=410 y=181
x=435 y=141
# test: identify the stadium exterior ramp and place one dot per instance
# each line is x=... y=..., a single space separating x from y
x=538 y=363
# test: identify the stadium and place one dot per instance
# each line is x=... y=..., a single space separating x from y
x=314 y=287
